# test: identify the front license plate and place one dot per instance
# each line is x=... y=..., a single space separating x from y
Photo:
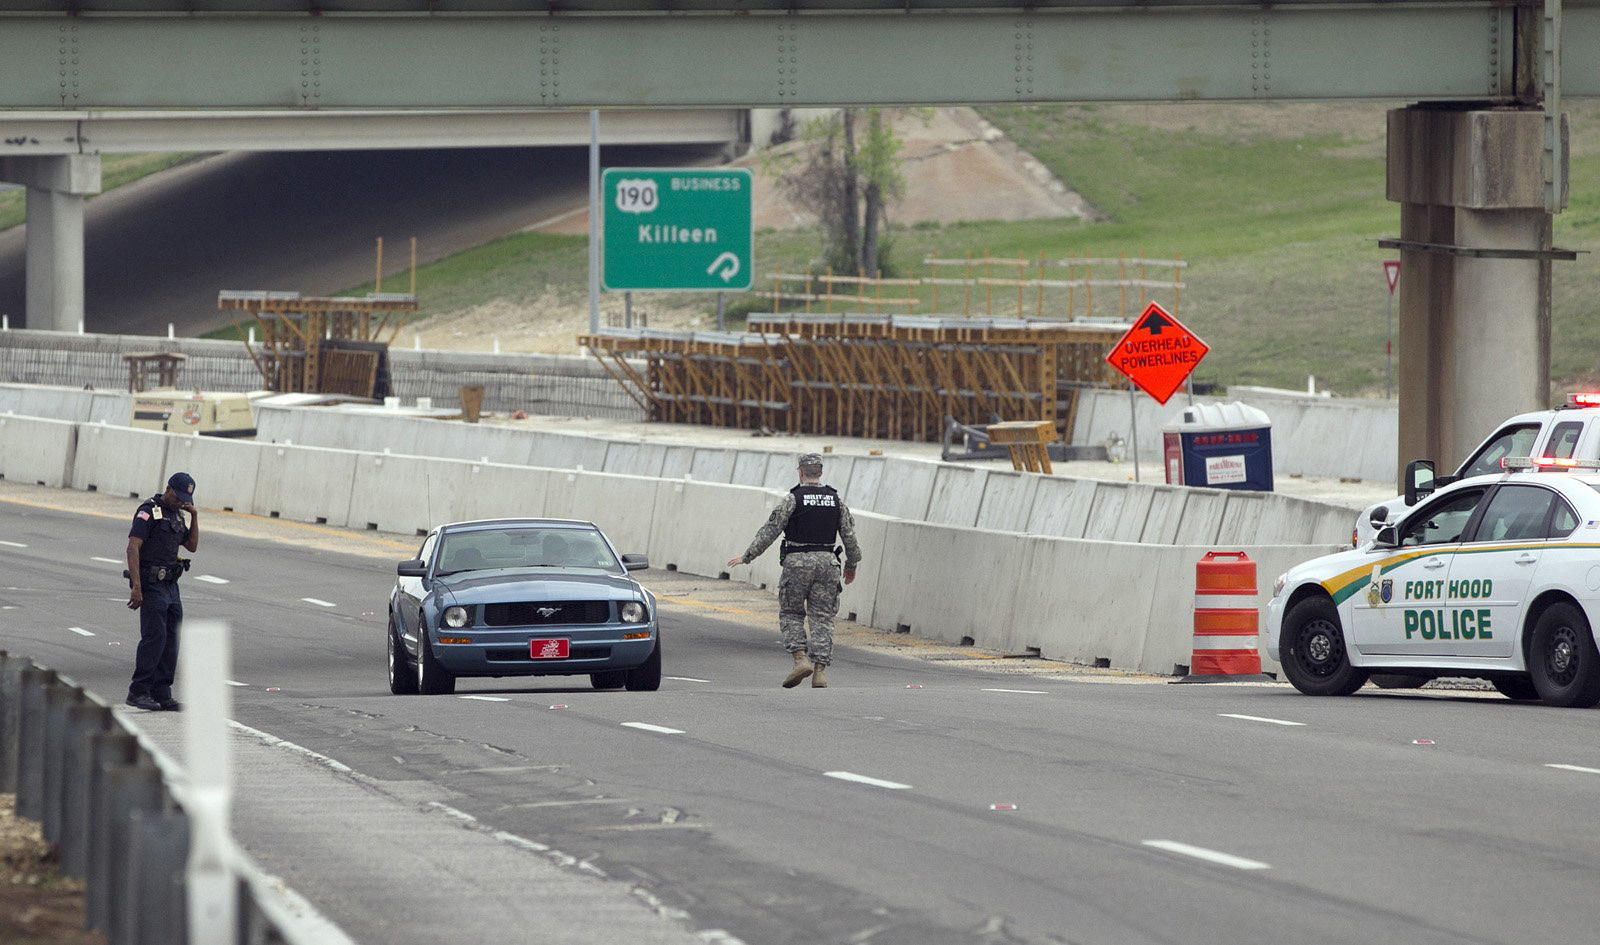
x=548 y=649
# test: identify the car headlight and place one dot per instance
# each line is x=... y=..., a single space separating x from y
x=632 y=612
x=455 y=616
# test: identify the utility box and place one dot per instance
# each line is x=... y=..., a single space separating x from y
x=205 y=413
x=1219 y=446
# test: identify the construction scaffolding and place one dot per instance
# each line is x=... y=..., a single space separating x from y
x=884 y=376
x=320 y=344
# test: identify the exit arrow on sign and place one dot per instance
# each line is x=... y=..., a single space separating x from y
x=1158 y=353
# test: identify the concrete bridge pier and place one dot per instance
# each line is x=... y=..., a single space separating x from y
x=1476 y=254
x=58 y=187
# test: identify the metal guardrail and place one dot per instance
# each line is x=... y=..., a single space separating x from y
x=120 y=814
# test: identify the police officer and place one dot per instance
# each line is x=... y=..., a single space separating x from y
x=809 y=518
x=158 y=531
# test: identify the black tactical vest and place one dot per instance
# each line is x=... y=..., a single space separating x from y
x=814 y=523
x=167 y=534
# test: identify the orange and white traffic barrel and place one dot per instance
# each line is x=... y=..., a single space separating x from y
x=1226 y=620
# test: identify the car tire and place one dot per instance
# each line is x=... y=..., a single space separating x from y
x=1397 y=681
x=1314 y=654
x=647 y=676
x=610 y=679
x=1519 y=688
x=402 y=678
x=432 y=679
x=1562 y=661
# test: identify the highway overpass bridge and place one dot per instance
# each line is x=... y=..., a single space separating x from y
x=1477 y=166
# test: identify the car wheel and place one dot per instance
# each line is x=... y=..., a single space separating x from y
x=611 y=679
x=647 y=677
x=1314 y=654
x=432 y=679
x=1562 y=660
x=402 y=681
x=1396 y=681
x=1519 y=688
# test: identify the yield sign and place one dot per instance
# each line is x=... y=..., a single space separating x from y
x=1391 y=273
x=1157 y=353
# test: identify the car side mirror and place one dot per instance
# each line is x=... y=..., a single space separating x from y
x=1379 y=516
x=413 y=568
x=1387 y=537
x=635 y=562
x=1420 y=480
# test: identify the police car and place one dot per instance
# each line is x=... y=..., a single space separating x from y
x=1495 y=577
x=1567 y=432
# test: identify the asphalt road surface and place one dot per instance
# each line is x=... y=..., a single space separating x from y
x=159 y=250
x=915 y=801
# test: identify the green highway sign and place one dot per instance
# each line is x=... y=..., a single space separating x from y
x=666 y=229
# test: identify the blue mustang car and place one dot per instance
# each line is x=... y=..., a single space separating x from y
x=521 y=597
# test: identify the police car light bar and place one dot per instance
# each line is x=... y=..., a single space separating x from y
x=1586 y=399
x=1547 y=462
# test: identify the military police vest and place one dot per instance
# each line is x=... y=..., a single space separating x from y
x=814 y=523
x=163 y=533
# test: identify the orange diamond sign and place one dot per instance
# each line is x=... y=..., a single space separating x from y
x=1158 y=353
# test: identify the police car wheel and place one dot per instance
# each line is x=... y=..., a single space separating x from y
x=1519 y=688
x=432 y=679
x=647 y=677
x=1314 y=656
x=611 y=679
x=1562 y=660
x=402 y=680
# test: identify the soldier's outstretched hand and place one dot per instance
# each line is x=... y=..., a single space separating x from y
x=735 y=560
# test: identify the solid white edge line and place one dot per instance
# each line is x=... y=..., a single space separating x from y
x=13 y=544
x=1023 y=692
x=685 y=679
x=80 y=631
x=319 y=603
x=1578 y=768
x=646 y=726
x=1256 y=718
x=863 y=779
x=1212 y=856
x=486 y=698
x=210 y=579
x=108 y=560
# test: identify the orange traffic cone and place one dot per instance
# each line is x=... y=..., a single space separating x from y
x=1226 y=620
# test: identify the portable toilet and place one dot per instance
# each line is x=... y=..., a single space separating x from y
x=1219 y=446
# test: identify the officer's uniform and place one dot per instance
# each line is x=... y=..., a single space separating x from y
x=810 y=518
x=163 y=533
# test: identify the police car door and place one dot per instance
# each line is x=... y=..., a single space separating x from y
x=1399 y=613
x=1487 y=590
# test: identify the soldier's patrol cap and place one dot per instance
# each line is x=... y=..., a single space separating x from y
x=810 y=459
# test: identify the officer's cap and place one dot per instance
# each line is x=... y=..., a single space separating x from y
x=810 y=459
x=182 y=484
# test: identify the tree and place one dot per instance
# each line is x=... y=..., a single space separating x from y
x=847 y=177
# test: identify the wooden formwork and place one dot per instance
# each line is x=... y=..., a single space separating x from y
x=892 y=377
x=321 y=344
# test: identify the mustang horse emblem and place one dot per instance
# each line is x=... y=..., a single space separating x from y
x=545 y=613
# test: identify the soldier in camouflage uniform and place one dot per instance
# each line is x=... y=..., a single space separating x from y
x=809 y=518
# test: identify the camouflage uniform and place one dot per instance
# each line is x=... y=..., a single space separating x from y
x=811 y=579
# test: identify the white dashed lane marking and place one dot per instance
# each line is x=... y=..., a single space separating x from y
x=1578 y=768
x=1210 y=856
x=107 y=560
x=81 y=632
x=659 y=729
x=232 y=682
x=863 y=779
x=685 y=679
x=1257 y=718
x=319 y=603
x=213 y=579
x=487 y=698
x=1023 y=692
x=13 y=544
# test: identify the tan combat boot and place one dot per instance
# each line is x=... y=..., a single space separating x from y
x=802 y=669
x=818 y=681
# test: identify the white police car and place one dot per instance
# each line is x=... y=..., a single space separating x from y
x=1495 y=577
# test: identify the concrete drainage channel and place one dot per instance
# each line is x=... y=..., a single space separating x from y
x=116 y=809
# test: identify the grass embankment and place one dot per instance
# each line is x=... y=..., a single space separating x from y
x=115 y=171
x=1277 y=209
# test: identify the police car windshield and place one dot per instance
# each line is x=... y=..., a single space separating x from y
x=490 y=549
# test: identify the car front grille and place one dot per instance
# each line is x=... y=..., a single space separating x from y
x=514 y=655
x=537 y=613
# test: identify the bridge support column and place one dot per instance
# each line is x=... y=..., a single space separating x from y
x=1475 y=276
x=58 y=187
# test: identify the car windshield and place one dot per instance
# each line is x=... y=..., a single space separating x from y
x=484 y=549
